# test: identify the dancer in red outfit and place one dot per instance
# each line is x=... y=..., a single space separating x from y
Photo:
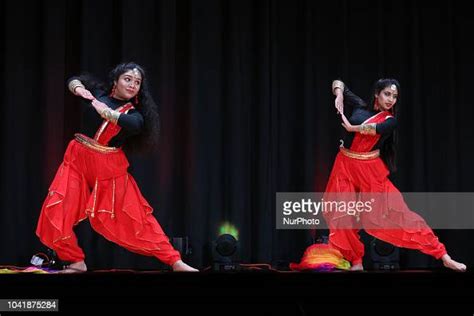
x=92 y=181
x=360 y=169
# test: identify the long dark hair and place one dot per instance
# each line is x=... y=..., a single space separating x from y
x=147 y=140
x=388 y=149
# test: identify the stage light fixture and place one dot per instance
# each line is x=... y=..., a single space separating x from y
x=225 y=253
x=384 y=256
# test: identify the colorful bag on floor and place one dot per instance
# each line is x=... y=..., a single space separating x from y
x=321 y=257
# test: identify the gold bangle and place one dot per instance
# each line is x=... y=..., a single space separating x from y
x=337 y=84
x=114 y=116
x=368 y=129
x=74 y=84
x=110 y=115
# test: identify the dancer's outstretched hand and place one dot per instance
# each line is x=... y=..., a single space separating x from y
x=83 y=92
x=347 y=125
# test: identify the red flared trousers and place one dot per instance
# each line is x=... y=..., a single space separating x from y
x=391 y=221
x=95 y=184
x=398 y=225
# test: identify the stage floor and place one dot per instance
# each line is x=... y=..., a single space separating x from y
x=292 y=293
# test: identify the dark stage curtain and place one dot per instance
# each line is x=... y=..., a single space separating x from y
x=246 y=109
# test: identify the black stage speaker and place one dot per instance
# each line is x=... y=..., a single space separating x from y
x=225 y=252
x=384 y=256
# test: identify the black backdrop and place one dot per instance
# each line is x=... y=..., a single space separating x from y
x=246 y=109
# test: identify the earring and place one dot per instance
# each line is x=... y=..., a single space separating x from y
x=112 y=92
x=136 y=99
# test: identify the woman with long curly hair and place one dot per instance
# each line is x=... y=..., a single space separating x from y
x=93 y=183
x=361 y=171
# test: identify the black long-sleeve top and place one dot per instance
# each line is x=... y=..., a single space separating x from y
x=131 y=123
x=360 y=113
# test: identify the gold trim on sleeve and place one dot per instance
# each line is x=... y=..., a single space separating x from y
x=337 y=84
x=74 y=84
x=368 y=129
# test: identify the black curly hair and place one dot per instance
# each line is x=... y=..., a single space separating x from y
x=147 y=140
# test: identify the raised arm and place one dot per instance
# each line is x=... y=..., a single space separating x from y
x=76 y=87
x=345 y=96
x=89 y=83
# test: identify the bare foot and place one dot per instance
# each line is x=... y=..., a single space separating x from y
x=180 y=266
x=357 y=267
x=76 y=267
x=452 y=264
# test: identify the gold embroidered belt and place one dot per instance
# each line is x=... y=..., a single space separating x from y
x=93 y=144
x=360 y=155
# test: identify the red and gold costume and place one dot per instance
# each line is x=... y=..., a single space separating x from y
x=360 y=169
x=93 y=182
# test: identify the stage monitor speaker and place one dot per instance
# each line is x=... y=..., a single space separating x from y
x=384 y=256
x=225 y=253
